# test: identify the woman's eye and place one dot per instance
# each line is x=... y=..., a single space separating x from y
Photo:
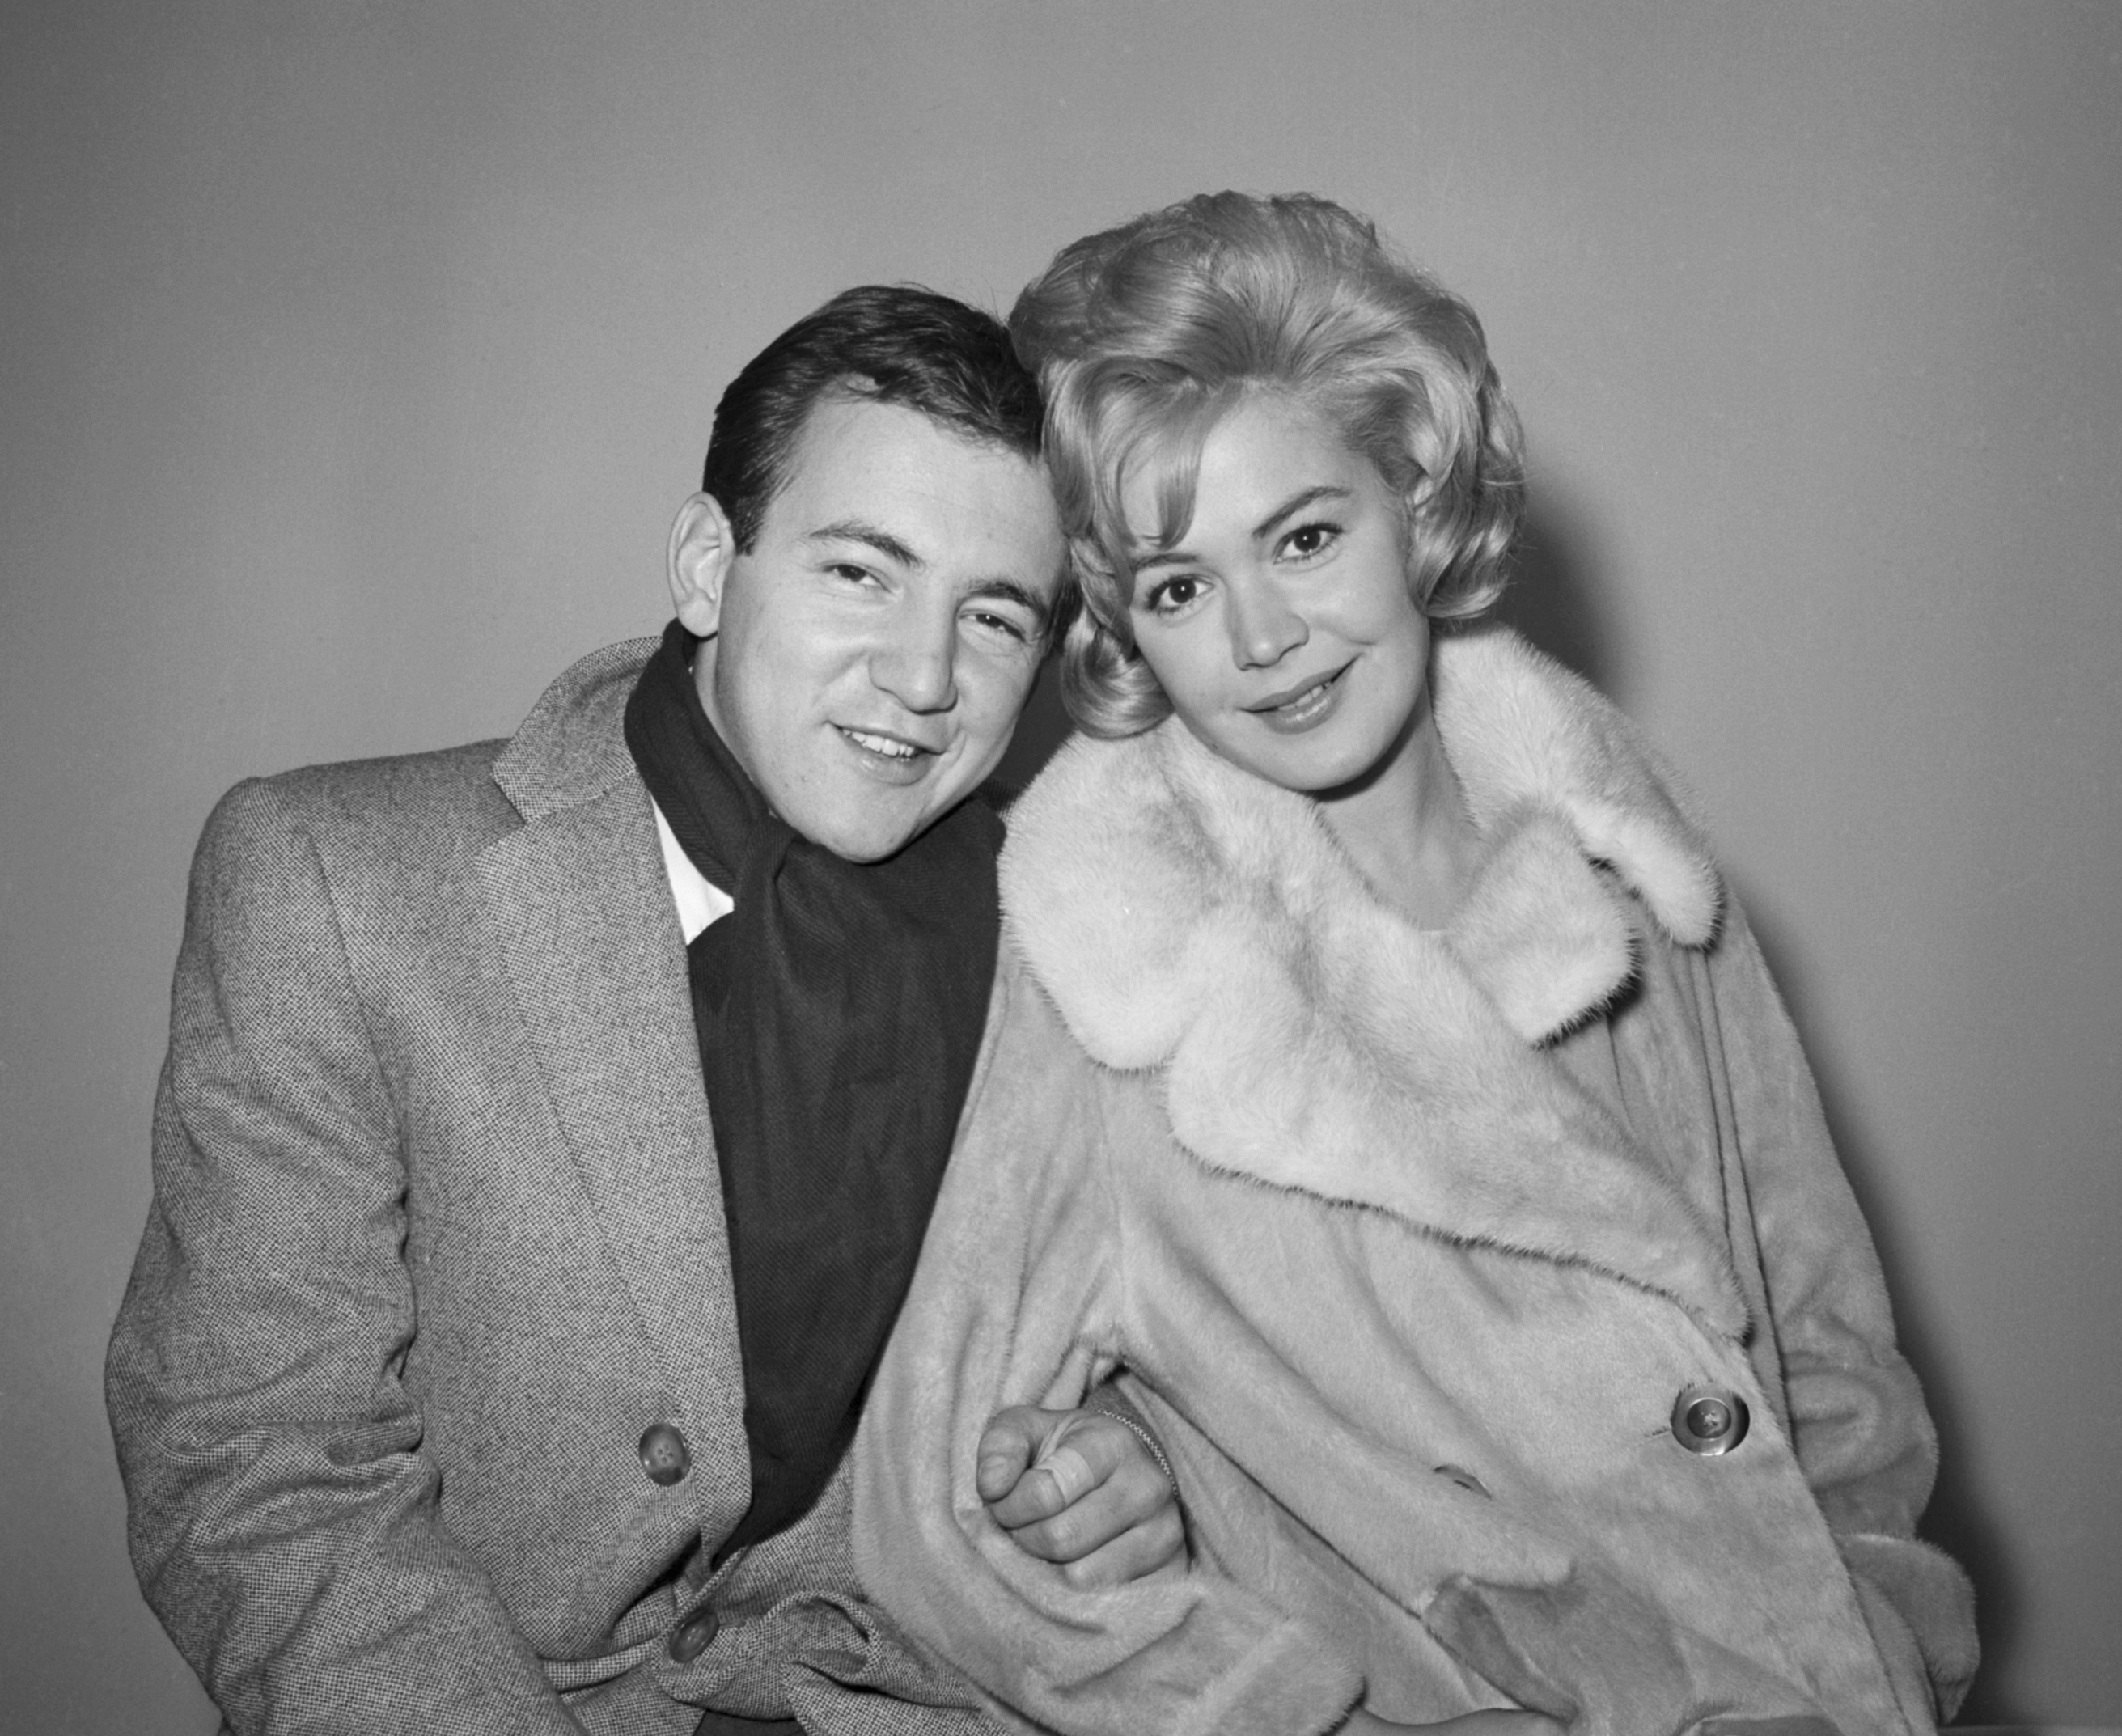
x=1311 y=539
x=1174 y=595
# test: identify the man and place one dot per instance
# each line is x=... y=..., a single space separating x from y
x=550 y=1127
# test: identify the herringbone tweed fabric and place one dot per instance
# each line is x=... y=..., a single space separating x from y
x=435 y=1236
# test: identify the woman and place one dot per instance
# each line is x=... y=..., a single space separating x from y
x=1381 y=1078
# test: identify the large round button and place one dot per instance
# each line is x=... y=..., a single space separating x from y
x=694 y=1635
x=1709 y=1420
x=663 y=1454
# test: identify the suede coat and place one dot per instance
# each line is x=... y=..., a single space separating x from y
x=1410 y=1241
x=437 y=1239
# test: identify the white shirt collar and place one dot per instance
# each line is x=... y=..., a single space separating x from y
x=698 y=900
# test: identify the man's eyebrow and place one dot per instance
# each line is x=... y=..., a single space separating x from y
x=1295 y=503
x=1009 y=590
x=871 y=536
x=874 y=536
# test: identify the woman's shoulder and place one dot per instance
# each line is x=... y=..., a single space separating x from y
x=1523 y=732
x=1127 y=863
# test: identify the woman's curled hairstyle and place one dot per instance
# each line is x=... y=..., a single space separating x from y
x=1144 y=335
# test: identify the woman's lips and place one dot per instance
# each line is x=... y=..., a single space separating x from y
x=1303 y=707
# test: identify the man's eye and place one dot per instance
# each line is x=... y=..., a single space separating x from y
x=1003 y=624
x=852 y=573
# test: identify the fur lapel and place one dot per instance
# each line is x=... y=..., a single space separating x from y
x=1186 y=916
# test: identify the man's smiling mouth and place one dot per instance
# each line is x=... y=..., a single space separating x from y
x=890 y=747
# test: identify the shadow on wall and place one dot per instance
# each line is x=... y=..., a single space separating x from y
x=1553 y=589
x=1045 y=726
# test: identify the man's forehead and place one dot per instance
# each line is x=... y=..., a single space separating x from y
x=901 y=474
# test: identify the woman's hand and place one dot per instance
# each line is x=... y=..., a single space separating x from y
x=1362 y=1723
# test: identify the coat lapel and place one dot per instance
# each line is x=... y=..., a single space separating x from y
x=1185 y=916
x=582 y=915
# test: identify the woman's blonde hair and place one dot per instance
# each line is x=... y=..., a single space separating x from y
x=1145 y=335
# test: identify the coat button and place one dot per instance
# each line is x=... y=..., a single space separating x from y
x=663 y=1454
x=1708 y=1419
x=694 y=1635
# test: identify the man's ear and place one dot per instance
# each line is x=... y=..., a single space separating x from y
x=702 y=548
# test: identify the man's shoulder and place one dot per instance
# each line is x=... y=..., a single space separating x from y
x=450 y=789
x=432 y=776
x=447 y=803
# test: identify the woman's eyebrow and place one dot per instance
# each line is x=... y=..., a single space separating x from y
x=1297 y=502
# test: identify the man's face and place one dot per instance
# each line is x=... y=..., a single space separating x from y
x=866 y=660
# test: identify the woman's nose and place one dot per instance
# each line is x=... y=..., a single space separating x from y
x=1264 y=629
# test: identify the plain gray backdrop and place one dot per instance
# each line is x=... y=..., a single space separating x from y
x=356 y=356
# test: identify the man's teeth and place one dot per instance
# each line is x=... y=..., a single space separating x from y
x=883 y=744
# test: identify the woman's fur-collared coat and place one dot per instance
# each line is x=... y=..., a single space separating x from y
x=1412 y=1242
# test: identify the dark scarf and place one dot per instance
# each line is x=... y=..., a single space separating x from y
x=839 y=1008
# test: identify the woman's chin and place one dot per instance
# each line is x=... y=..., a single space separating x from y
x=1349 y=752
x=1307 y=767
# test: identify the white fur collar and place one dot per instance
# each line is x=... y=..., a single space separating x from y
x=1185 y=915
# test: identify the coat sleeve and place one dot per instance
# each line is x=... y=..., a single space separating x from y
x=1858 y=1424
x=1021 y=1290
x=282 y=1516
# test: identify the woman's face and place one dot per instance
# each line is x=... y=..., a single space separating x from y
x=1280 y=625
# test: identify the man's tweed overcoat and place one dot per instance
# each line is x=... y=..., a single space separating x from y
x=1413 y=1242
x=436 y=1236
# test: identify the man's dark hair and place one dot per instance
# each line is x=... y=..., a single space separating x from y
x=891 y=344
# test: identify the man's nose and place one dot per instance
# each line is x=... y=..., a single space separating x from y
x=918 y=665
x=1264 y=629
